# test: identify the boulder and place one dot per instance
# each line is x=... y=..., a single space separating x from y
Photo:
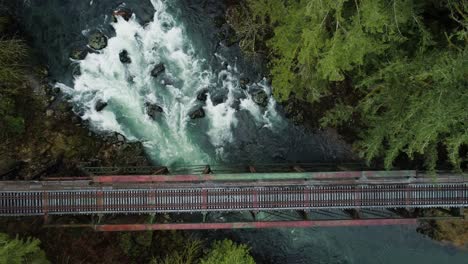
x=202 y=95
x=243 y=82
x=153 y=110
x=123 y=12
x=79 y=53
x=97 y=41
x=158 y=69
x=261 y=98
x=120 y=138
x=198 y=113
x=56 y=90
x=124 y=58
x=100 y=105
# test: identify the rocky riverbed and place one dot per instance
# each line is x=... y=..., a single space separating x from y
x=56 y=140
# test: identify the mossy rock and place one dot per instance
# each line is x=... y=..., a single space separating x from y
x=97 y=41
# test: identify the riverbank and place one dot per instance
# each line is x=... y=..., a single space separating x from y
x=51 y=139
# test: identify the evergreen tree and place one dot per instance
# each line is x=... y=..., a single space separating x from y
x=12 y=55
x=227 y=252
x=405 y=60
x=18 y=251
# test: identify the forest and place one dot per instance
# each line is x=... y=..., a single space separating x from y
x=390 y=73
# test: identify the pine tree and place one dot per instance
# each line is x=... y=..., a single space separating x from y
x=18 y=251
x=405 y=59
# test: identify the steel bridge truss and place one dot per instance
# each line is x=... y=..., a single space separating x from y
x=251 y=200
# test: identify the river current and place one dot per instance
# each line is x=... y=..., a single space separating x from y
x=182 y=36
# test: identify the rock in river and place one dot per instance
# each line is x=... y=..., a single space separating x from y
x=243 y=82
x=261 y=98
x=123 y=12
x=97 y=41
x=158 y=69
x=100 y=105
x=79 y=53
x=124 y=58
x=202 y=95
x=152 y=110
x=199 y=113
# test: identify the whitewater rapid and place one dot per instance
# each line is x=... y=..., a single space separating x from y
x=173 y=137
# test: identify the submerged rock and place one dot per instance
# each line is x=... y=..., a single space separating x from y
x=202 y=95
x=158 y=69
x=199 y=113
x=100 y=105
x=219 y=21
x=261 y=98
x=76 y=71
x=218 y=98
x=97 y=41
x=124 y=58
x=153 y=110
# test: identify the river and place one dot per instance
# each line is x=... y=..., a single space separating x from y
x=182 y=36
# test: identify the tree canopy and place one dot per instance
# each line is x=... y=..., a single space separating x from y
x=12 y=54
x=19 y=251
x=228 y=252
x=405 y=61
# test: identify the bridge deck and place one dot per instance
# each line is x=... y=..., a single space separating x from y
x=115 y=195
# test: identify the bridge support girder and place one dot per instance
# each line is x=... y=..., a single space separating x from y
x=459 y=212
x=405 y=212
x=254 y=215
x=207 y=170
x=353 y=213
x=304 y=214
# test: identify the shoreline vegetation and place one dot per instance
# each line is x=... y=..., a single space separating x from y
x=150 y=247
x=40 y=133
x=390 y=76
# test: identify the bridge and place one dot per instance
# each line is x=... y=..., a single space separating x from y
x=293 y=197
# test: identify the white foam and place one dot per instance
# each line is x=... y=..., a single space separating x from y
x=168 y=139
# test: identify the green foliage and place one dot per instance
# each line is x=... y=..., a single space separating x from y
x=10 y=123
x=227 y=252
x=416 y=105
x=12 y=55
x=251 y=33
x=221 y=252
x=18 y=251
x=406 y=60
x=188 y=254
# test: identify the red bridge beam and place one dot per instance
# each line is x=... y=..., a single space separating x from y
x=249 y=225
